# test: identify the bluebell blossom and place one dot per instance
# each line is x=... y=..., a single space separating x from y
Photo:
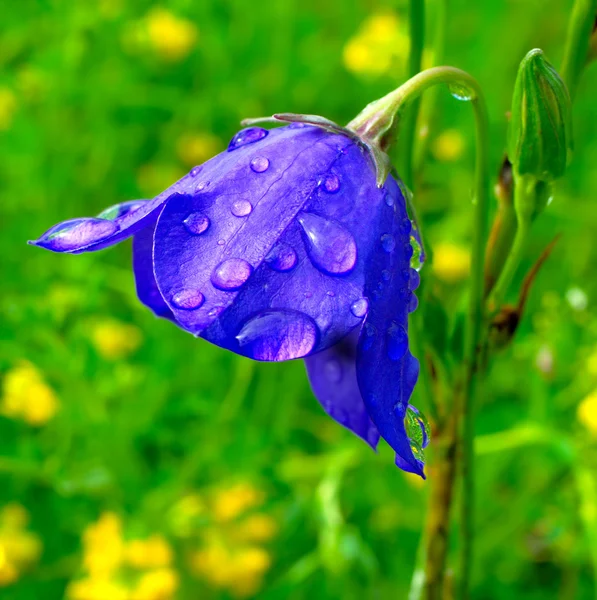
x=285 y=246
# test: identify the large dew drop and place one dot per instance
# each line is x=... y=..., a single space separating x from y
x=76 y=234
x=396 y=341
x=359 y=308
x=247 y=136
x=231 y=274
x=282 y=257
x=259 y=164
x=331 y=248
x=241 y=208
x=277 y=335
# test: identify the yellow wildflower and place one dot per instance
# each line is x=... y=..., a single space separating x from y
x=115 y=340
x=18 y=548
x=159 y=584
x=587 y=413
x=380 y=46
x=27 y=396
x=451 y=263
x=257 y=528
x=239 y=571
x=194 y=149
x=97 y=588
x=171 y=37
x=103 y=547
x=150 y=553
x=8 y=105
x=231 y=502
x=448 y=145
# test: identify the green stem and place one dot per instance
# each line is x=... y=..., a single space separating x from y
x=523 y=196
x=407 y=137
x=580 y=27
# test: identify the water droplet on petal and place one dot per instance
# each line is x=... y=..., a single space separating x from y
x=196 y=223
x=247 y=136
x=359 y=308
x=195 y=171
x=389 y=199
x=188 y=299
x=413 y=303
x=405 y=226
x=119 y=210
x=330 y=294
x=331 y=248
x=260 y=164
x=414 y=279
x=76 y=233
x=241 y=208
x=386 y=275
x=369 y=336
x=277 y=335
x=333 y=370
x=331 y=183
x=201 y=186
x=416 y=254
x=396 y=341
x=281 y=257
x=216 y=311
x=231 y=274
x=221 y=242
x=388 y=242
x=417 y=427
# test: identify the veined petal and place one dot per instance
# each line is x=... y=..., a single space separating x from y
x=333 y=378
x=386 y=370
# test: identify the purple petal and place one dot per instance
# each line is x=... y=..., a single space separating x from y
x=147 y=288
x=386 y=371
x=333 y=378
x=273 y=252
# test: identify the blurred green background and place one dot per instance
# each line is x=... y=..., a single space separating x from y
x=138 y=463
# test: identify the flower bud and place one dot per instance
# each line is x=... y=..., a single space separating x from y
x=540 y=133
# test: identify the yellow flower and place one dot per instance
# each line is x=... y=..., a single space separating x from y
x=448 y=145
x=160 y=584
x=8 y=105
x=96 y=588
x=115 y=340
x=153 y=552
x=103 y=547
x=587 y=413
x=231 y=502
x=194 y=149
x=27 y=396
x=257 y=528
x=451 y=263
x=381 y=45
x=240 y=571
x=171 y=37
x=18 y=548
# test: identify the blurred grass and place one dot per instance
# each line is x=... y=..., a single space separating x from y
x=107 y=101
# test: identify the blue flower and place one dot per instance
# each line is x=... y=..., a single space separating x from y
x=285 y=247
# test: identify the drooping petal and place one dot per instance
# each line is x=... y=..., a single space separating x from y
x=333 y=378
x=113 y=224
x=147 y=288
x=386 y=370
x=272 y=244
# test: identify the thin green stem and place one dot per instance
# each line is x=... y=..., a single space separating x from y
x=416 y=18
x=580 y=26
x=474 y=326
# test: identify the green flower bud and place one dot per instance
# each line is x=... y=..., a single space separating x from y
x=540 y=133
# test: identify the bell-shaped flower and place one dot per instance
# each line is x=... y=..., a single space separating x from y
x=285 y=247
